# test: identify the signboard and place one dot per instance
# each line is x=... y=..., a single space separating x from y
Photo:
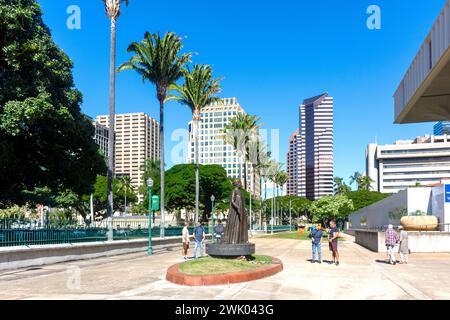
x=447 y=193
x=155 y=203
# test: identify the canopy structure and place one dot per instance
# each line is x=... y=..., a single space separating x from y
x=424 y=93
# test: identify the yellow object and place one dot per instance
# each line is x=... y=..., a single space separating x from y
x=419 y=223
x=300 y=231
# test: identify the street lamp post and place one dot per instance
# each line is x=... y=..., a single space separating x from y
x=212 y=216
x=149 y=189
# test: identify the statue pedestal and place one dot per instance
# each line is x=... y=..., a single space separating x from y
x=230 y=250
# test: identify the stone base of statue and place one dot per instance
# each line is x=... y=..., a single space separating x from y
x=230 y=250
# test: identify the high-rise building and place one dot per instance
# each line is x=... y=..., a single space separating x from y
x=424 y=161
x=293 y=164
x=136 y=140
x=212 y=148
x=102 y=138
x=441 y=128
x=316 y=147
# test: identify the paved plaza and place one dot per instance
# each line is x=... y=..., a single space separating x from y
x=361 y=275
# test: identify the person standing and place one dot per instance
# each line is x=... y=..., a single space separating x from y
x=185 y=240
x=404 y=246
x=199 y=237
x=333 y=236
x=316 y=237
x=391 y=239
x=219 y=231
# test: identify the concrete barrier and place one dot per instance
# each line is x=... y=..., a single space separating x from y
x=31 y=256
x=419 y=242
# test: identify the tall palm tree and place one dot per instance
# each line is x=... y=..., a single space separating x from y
x=158 y=61
x=113 y=11
x=198 y=91
x=241 y=130
x=340 y=187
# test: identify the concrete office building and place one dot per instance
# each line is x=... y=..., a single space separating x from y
x=212 y=148
x=293 y=164
x=441 y=128
x=316 y=147
x=395 y=167
x=137 y=139
x=102 y=138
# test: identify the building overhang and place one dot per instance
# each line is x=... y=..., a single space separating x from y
x=423 y=95
x=431 y=101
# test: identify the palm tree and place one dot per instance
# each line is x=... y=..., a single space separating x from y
x=113 y=10
x=355 y=178
x=198 y=91
x=125 y=185
x=340 y=187
x=365 y=183
x=240 y=131
x=158 y=61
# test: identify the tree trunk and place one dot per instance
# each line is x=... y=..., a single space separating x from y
x=112 y=110
x=245 y=175
x=197 y=182
x=161 y=152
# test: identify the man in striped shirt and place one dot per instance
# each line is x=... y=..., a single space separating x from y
x=391 y=239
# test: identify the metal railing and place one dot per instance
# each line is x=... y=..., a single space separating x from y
x=15 y=232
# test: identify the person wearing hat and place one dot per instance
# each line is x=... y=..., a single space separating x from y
x=391 y=239
x=404 y=247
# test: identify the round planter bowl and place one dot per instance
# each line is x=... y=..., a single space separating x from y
x=419 y=223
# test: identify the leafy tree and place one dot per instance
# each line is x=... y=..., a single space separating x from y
x=101 y=195
x=45 y=140
x=158 y=61
x=198 y=91
x=364 y=198
x=330 y=207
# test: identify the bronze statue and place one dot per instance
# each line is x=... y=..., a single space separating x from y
x=236 y=231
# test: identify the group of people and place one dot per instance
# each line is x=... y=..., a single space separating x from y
x=392 y=238
x=316 y=236
x=199 y=238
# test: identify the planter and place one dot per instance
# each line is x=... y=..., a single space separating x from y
x=419 y=223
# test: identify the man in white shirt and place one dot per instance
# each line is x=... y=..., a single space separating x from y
x=185 y=240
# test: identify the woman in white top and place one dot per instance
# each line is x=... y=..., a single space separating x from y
x=185 y=240
x=404 y=247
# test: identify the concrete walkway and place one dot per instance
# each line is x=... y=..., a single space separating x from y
x=137 y=276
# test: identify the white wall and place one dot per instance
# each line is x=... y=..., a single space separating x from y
x=377 y=214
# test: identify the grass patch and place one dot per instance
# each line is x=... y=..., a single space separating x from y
x=212 y=265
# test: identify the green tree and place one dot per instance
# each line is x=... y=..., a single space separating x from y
x=113 y=10
x=158 y=61
x=340 y=187
x=355 y=178
x=198 y=91
x=238 y=133
x=45 y=140
x=101 y=195
x=364 y=198
x=330 y=207
x=124 y=186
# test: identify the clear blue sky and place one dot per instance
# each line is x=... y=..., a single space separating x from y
x=272 y=55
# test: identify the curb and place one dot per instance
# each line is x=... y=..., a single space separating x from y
x=175 y=276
